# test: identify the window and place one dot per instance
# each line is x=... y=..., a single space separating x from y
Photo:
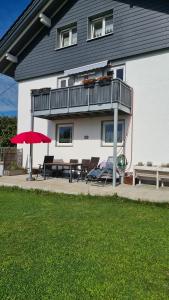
x=65 y=134
x=101 y=26
x=68 y=36
x=108 y=133
x=118 y=72
x=64 y=82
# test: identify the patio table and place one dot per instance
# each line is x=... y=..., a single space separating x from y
x=63 y=164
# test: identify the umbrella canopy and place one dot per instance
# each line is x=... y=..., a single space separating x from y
x=30 y=137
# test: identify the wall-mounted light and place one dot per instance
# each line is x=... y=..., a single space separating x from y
x=45 y=20
x=11 y=58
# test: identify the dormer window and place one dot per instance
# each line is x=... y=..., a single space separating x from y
x=101 y=25
x=67 y=36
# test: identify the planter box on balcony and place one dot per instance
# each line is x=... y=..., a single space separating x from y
x=41 y=91
x=89 y=86
x=104 y=80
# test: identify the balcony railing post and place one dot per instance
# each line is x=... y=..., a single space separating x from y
x=120 y=92
x=68 y=98
x=112 y=91
x=88 y=94
x=50 y=97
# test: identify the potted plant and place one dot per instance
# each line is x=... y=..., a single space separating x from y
x=89 y=83
x=104 y=80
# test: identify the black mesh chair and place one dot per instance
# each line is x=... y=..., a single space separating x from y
x=48 y=169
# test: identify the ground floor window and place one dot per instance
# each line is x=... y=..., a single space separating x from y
x=64 y=134
x=108 y=133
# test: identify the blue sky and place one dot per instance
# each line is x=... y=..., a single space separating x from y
x=9 y=12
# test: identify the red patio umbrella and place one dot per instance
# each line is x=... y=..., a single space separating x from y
x=30 y=137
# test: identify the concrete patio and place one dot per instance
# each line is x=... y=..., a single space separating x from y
x=58 y=185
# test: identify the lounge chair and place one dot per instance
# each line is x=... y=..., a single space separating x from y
x=103 y=172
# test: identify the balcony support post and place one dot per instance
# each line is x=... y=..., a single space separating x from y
x=30 y=178
x=115 y=145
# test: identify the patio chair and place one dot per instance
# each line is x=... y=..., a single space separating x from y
x=84 y=169
x=58 y=170
x=74 y=170
x=93 y=165
x=103 y=172
x=48 y=169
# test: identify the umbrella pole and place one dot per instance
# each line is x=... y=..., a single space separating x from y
x=30 y=178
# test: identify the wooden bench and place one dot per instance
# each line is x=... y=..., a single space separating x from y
x=158 y=174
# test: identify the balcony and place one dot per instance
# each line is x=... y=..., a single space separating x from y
x=48 y=103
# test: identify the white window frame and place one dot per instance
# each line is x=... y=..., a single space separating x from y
x=104 y=123
x=61 y=33
x=115 y=68
x=57 y=135
x=59 y=79
x=103 y=19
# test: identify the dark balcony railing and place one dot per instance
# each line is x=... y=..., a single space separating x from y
x=78 y=96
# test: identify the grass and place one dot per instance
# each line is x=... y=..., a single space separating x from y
x=55 y=246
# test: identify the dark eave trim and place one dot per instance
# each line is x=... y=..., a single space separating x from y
x=20 y=24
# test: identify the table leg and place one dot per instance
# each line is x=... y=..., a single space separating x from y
x=44 y=172
x=157 y=180
x=134 y=177
x=70 y=178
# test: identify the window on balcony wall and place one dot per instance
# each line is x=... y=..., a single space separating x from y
x=64 y=134
x=108 y=133
x=67 y=36
x=64 y=82
x=100 y=25
x=117 y=72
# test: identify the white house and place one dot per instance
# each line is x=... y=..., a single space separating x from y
x=120 y=47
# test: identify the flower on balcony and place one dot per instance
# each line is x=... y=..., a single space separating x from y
x=89 y=82
x=104 y=80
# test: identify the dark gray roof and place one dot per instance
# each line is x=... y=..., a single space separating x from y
x=28 y=16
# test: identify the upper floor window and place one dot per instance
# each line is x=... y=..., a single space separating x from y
x=67 y=36
x=101 y=25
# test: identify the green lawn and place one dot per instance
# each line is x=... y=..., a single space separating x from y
x=56 y=246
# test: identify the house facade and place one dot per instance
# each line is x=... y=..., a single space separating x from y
x=92 y=75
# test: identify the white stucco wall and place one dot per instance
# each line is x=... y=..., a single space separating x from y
x=149 y=77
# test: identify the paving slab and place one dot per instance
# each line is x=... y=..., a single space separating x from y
x=59 y=185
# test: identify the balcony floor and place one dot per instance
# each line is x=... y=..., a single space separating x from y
x=83 y=111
